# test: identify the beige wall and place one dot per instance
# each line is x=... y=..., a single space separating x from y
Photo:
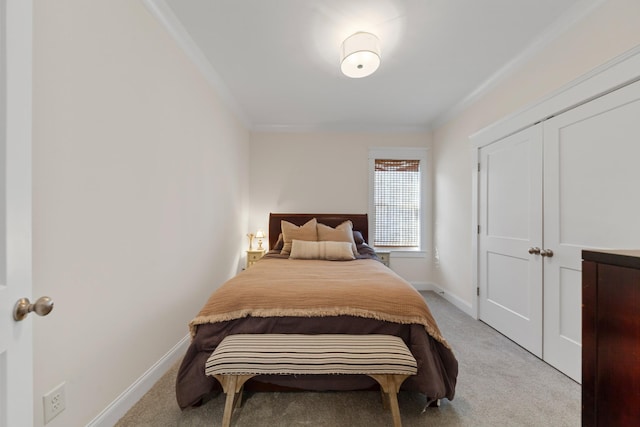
x=140 y=198
x=322 y=173
x=607 y=32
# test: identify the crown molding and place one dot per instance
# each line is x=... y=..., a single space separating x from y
x=605 y=78
x=339 y=128
x=574 y=15
x=164 y=14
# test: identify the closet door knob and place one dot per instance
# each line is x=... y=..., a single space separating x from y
x=534 y=250
x=547 y=253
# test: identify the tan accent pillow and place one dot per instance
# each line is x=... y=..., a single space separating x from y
x=291 y=231
x=342 y=233
x=332 y=251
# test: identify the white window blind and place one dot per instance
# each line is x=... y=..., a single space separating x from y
x=397 y=203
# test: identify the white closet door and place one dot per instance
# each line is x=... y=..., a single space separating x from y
x=591 y=200
x=510 y=219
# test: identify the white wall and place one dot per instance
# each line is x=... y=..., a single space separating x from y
x=140 y=198
x=607 y=32
x=322 y=173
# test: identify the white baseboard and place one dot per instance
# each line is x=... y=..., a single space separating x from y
x=453 y=299
x=424 y=286
x=116 y=410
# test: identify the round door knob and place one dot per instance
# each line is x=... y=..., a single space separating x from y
x=547 y=253
x=534 y=250
x=23 y=307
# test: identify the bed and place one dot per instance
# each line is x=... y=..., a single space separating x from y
x=289 y=291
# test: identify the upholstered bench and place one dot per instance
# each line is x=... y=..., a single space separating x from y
x=238 y=358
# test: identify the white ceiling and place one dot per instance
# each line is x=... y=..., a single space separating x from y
x=277 y=61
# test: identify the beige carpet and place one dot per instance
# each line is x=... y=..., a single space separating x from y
x=499 y=384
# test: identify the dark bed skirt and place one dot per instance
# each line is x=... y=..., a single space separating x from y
x=437 y=366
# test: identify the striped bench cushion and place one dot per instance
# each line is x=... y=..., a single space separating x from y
x=287 y=354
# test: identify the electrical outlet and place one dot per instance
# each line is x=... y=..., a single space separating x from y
x=54 y=402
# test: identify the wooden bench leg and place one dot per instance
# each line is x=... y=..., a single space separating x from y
x=390 y=385
x=385 y=399
x=232 y=386
x=228 y=405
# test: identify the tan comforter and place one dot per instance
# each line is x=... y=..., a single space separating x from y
x=313 y=288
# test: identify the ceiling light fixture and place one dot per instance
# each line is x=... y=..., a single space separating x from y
x=360 y=55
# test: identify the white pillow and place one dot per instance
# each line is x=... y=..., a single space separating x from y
x=332 y=251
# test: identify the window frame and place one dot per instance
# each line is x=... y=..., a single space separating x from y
x=403 y=153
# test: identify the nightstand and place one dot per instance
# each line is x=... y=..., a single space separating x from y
x=253 y=256
x=384 y=257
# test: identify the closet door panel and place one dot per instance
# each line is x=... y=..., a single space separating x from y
x=510 y=221
x=591 y=176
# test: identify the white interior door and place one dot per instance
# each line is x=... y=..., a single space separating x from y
x=510 y=219
x=591 y=175
x=16 y=371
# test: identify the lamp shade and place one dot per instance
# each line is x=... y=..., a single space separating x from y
x=360 y=55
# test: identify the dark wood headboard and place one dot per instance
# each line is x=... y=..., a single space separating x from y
x=360 y=222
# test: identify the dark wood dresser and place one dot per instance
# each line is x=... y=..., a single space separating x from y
x=611 y=338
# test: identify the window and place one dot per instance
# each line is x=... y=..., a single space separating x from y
x=397 y=202
x=397 y=198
